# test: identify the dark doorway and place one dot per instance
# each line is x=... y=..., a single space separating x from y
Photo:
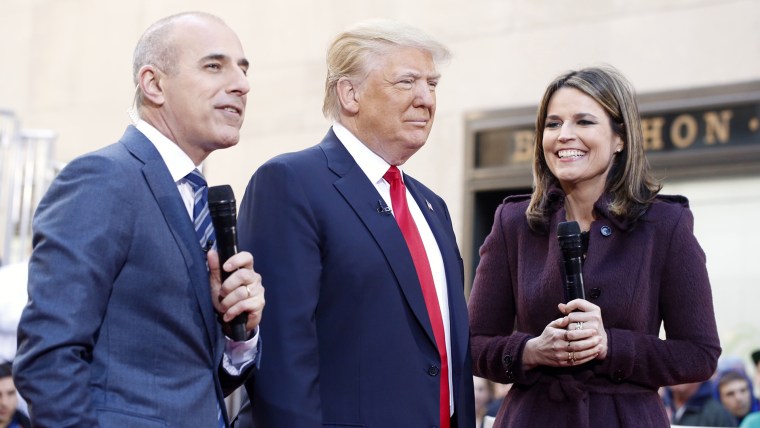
x=486 y=203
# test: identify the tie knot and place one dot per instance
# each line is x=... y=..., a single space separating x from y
x=393 y=174
x=196 y=179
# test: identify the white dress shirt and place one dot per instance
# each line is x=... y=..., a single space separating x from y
x=375 y=167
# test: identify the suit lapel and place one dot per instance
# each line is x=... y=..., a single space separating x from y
x=364 y=199
x=165 y=192
x=435 y=214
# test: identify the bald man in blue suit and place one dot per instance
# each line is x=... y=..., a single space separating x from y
x=350 y=338
x=121 y=325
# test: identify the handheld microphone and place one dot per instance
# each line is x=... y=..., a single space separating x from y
x=569 y=236
x=221 y=205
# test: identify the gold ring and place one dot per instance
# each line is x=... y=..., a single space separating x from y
x=571 y=357
x=248 y=290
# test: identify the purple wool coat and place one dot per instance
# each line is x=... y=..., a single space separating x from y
x=640 y=275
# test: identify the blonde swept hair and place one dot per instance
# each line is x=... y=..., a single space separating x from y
x=352 y=52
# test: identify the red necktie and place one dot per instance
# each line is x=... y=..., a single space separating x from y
x=421 y=264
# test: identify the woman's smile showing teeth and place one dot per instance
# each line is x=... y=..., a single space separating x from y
x=578 y=141
x=570 y=153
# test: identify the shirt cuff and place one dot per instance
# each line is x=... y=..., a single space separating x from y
x=238 y=356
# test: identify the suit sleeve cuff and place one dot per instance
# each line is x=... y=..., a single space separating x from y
x=238 y=356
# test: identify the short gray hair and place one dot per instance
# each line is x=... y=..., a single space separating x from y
x=156 y=46
x=352 y=50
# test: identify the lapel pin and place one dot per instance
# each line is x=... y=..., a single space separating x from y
x=430 y=207
x=382 y=208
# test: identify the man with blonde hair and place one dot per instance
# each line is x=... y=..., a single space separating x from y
x=366 y=319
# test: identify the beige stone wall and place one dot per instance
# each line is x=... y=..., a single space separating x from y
x=66 y=65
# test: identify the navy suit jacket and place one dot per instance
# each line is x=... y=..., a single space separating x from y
x=119 y=330
x=349 y=341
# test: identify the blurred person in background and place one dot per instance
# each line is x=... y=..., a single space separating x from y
x=13 y=279
x=500 y=392
x=484 y=393
x=735 y=393
x=10 y=415
x=751 y=421
x=693 y=404
x=756 y=366
x=13 y=297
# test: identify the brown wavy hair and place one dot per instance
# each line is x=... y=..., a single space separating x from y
x=630 y=183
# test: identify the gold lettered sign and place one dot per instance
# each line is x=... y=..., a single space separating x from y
x=709 y=129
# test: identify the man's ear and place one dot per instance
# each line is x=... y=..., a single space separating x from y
x=348 y=95
x=151 y=86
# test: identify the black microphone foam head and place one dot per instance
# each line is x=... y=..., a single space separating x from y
x=568 y=228
x=220 y=194
x=569 y=236
x=222 y=206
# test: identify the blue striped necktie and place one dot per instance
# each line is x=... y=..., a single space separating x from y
x=205 y=231
x=201 y=217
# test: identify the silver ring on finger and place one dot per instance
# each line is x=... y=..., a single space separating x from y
x=579 y=326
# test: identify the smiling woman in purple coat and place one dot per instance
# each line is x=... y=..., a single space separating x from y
x=595 y=362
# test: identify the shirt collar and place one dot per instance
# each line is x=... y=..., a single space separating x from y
x=374 y=166
x=177 y=161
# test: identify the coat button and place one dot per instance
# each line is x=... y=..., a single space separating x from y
x=606 y=231
x=507 y=360
x=595 y=292
x=618 y=376
x=433 y=370
x=510 y=375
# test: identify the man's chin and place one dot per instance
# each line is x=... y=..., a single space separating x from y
x=417 y=142
x=230 y=142
x=224 y=143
